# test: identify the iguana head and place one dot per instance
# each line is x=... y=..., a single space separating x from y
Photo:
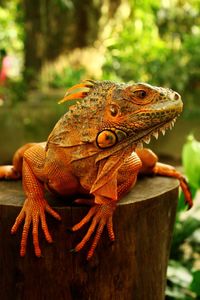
x=119 y=114
x=138 y=111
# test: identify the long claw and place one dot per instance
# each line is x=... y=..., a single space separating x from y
x=35 y=236
x=45 y=229
x=96 y=240
x=167 y=170
x=52 y=212
x=18 y=222
x=33 y=212
x=87 y=236
x=102 y=216
x=25 y=236
x=85 y=220
x=110 y=229
x=186 y=191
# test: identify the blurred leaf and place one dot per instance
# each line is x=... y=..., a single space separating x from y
x=178 y=294
x=67 y=77
x=191 y=161
x=11 y=27
x=178 y=274
x=195 y=238
x=182 y=231
x=195 y=285
x=179 y=280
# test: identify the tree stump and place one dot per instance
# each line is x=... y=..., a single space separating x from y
x=132 y=268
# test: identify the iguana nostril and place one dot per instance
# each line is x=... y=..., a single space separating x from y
x=176 y=96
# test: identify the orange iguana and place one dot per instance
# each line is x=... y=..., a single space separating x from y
x=95 y=148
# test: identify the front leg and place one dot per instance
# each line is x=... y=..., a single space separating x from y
x=101 y=215
x=105 y=203
x=35 y=205
x=150 y=165
x=167 y=170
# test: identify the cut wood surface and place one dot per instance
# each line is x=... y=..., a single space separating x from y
x=132 y=268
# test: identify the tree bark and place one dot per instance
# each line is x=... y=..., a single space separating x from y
x=132 y=268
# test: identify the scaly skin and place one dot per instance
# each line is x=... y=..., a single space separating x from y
x=95 y=148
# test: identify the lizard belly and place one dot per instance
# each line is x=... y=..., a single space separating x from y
x=68 y=185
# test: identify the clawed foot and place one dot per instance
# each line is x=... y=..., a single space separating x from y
x=186 y=191
x=101 y=215
x=33 y=212
x=167 y=170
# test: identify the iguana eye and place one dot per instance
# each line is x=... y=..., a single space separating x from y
x=114 y=110
x=106 y=139
x=140 y=94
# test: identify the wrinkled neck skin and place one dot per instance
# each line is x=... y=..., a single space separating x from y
x=77 y=135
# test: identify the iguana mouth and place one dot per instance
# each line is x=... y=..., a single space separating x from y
x=138 y=142
x=155 y=131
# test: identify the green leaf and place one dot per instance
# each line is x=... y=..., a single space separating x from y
x=195 y=285
x=183 y=230
x=178 y=274
x=191 y=161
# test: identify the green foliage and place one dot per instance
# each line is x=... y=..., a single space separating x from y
x=11 y=27
x=159 y=43
x=183 y=271
x=195 y=285
x=67 y=77
x=179 y=280
x=15 y=91
x=12 y=41
x=191 y=161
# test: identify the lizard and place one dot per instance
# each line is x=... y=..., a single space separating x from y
x=94 y=149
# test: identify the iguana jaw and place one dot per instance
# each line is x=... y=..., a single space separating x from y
x=145 y=135
x=154 y=131
x=132 y=142
x=173 y=111
x=139 y=126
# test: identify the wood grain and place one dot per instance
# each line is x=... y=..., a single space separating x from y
x=132 y=268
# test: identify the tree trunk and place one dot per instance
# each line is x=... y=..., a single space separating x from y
x=132 y=268
x=53 y=28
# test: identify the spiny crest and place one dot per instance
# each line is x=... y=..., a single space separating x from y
x=77 y=91
x=81 y=90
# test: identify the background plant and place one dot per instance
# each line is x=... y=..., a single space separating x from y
x=184 y=264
